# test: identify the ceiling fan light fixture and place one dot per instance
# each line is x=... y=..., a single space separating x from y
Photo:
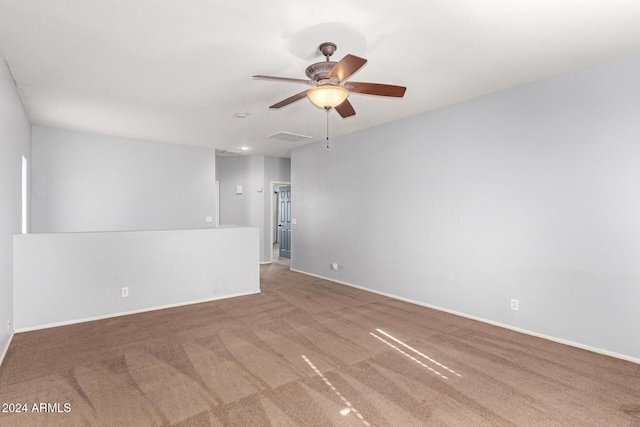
x=327 y=96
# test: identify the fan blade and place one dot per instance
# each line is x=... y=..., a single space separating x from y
x=285 y=79
x=345 y=109
x=290 y=100
x=376 y=89
x=347 y=66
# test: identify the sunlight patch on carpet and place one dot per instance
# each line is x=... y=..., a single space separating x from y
x=404 y=353
x=417 y=352
x=349 y=408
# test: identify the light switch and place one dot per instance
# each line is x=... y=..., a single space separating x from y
x=294 y=221
x=238 y=189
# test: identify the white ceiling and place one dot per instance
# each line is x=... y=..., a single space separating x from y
x=179 y=70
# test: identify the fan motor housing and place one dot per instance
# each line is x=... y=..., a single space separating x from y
x=319 y=70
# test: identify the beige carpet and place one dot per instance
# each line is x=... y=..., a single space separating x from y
x=308 y=352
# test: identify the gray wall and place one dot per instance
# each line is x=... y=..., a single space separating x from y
x=241 y=209
x=251 y=208
x=89 y=182
x=532 y=193
x=15 y=136
x=79 y=276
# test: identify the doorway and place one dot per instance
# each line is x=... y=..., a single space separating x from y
x=280 y=214
x=285 y=221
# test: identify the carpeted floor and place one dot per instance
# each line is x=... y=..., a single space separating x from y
x=308 y=352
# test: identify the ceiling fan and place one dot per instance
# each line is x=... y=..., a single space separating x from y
x=330 y=89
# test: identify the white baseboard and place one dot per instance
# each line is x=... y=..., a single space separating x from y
x=6 y=348
x=480 y=319
x=126 y=313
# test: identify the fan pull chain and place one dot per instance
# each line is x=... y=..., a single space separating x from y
x=327 y=108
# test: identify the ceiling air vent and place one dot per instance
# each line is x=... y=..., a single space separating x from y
x=288 y=136
x=229 y=153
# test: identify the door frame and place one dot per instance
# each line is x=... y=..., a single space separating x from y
x=271 y=218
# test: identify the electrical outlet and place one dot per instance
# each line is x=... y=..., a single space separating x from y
x=514 y=305
x=334 y=266
x=124 y=292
